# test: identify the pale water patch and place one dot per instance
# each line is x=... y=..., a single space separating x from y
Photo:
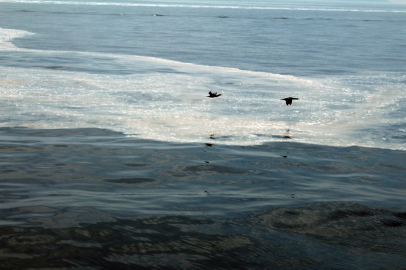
x=173 y=106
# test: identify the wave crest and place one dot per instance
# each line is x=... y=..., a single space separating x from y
x=6 y=35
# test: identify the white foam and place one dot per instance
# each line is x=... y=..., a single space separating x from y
x=247 y=5
x=7 y=35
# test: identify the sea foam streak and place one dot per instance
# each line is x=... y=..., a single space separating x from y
x=214 y=6
x=173 y=106
x=6 y=35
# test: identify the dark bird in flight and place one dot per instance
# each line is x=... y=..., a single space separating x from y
x=289 y=100
x=213 y=95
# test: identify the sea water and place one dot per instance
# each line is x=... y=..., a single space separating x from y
x=110 y=145
x=122 y=66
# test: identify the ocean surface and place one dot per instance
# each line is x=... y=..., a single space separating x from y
x=113 y=157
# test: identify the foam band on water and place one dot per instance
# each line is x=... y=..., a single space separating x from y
x=7 y=35
x=216 y=6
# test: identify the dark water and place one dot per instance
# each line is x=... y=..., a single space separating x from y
x=321 y=236
x=95 y=199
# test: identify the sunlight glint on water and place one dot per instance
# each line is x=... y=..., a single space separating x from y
x=174 y=107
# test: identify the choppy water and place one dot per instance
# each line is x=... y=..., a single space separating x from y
x=112 y=156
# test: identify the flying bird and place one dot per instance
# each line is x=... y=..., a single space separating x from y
x=289 y=100
x=213 y=95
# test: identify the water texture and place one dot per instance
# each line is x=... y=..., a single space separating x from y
x=113 y=157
